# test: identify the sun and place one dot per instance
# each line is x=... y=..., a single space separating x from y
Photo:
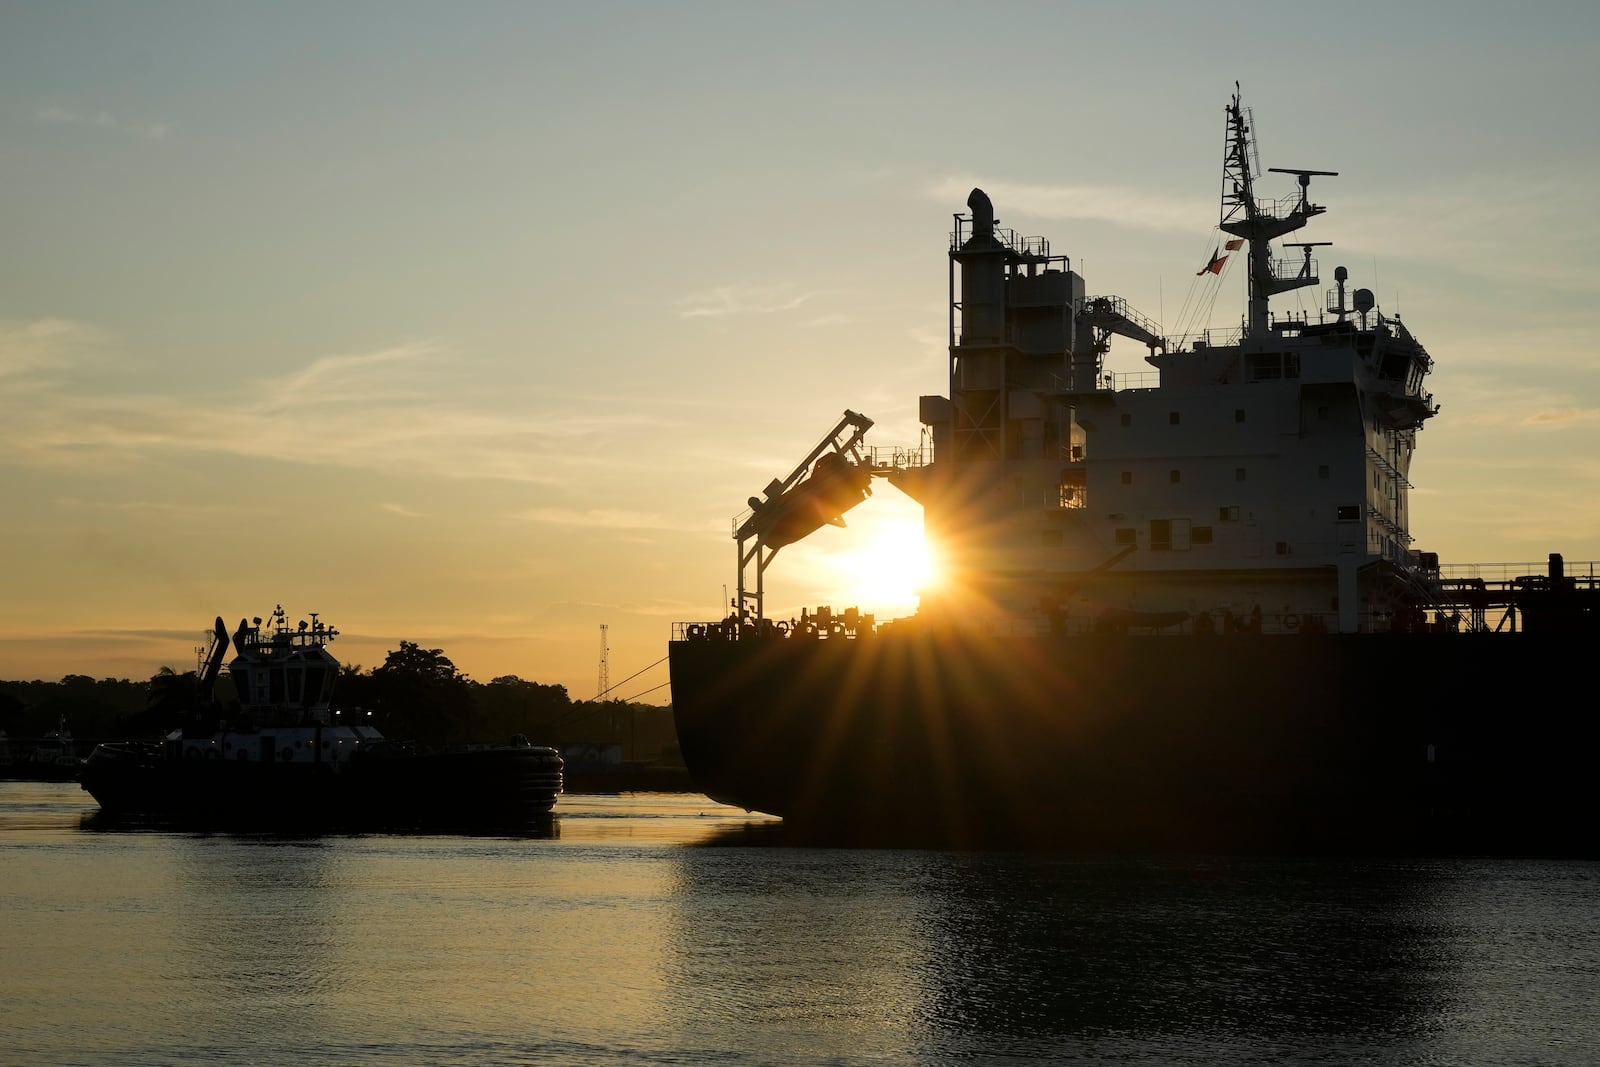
x=889 y=569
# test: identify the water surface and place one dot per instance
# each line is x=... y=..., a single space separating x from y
x=666 y=929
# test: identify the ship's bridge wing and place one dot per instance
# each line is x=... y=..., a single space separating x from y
x=1112 y=315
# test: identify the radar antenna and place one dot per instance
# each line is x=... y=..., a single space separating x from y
x=1260 y=222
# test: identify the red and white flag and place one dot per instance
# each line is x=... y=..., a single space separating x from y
x=1215 y=266
x=1235 y=244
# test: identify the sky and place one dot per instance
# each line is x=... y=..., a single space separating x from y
x=475 y=324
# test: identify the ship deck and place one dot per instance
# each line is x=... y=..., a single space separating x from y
x=1510 y=597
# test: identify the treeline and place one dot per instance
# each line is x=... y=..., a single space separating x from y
x=417 y=694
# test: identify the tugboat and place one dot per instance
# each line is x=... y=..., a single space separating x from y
x=1180 y=608
x=284 y=759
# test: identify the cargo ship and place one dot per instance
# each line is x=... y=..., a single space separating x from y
x=1179 y=608
x=281 y=758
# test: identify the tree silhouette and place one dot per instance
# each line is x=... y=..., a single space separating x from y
x=508 y=705
x=169 y=702
x=419 y=695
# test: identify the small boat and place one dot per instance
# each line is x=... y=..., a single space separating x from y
x=53 y=759
x=284 y=759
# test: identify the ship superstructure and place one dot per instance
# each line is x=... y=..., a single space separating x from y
x=1258 y=483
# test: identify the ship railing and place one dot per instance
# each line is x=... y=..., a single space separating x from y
x=1295 y=269
x=822 y=625
x=1111 y=381
x=1493 y=596
x=1456 y=592
x=1386 y=466
x=899 y=457
x=1204 y=339
x=1116 y=307
x=1278 y=208
x=1032 y=247
x=1219 y=622
x=1582 y=573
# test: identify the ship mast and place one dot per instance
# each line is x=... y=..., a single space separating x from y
x=1259 y=222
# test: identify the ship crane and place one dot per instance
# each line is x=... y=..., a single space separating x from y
x=833 y=478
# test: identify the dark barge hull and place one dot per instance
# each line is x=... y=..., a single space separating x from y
x=1421 y=743
x=485 y=789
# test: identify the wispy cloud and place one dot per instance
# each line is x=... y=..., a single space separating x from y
x=60 y=116
x=832 y=318
x=595 y=517
x=1562 y=417
x=1490 y=400
x=29 y=351
x=157 y=507
x=400 y=509
x=670 y=609
x=401 y=408
x=1477 y=225
x=742 y=299
x=332 y=379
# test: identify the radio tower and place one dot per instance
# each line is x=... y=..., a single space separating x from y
x=605 y=669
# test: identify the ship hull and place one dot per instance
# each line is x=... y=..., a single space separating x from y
x=484 y=789
x=1408 y=742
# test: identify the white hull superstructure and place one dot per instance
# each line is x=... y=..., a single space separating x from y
x=1259 y=483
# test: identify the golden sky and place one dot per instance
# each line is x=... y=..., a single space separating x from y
x=475 y=325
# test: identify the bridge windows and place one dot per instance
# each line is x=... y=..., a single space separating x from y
x=1273 y=366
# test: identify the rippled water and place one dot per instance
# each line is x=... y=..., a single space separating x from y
x=664 y=929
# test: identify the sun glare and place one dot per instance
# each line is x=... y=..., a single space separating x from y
x=887 y=573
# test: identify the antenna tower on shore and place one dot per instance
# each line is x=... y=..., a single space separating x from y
x=605 y=668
